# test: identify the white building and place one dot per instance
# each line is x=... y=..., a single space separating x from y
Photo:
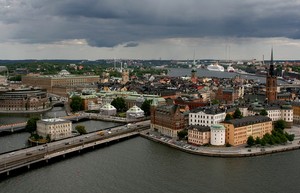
x=206 y=116
x=217 y=134
x=108 y=109
x=275 y=112
x=135 y=112
x=56 y=128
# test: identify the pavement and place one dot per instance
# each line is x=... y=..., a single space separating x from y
x=237 y=151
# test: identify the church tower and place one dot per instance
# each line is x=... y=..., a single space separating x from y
x=125 y=76
x=271 y=82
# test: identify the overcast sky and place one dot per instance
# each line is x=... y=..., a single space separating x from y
x=149 y=29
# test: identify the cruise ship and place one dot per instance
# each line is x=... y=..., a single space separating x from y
x=230 y=69
x=215 y=67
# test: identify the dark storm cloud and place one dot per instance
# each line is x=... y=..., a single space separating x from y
x=106 y=23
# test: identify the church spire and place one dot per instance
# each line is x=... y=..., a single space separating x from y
x=271 y=69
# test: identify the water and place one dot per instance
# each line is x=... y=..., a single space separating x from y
x=19 y=140
x=18 y=118
x=143 y=166
x=206 y=73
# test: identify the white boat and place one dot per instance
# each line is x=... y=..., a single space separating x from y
x=215 y=67
x=230 y=69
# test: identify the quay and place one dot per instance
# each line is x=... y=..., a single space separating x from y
x=224 y=152
x=22 y=160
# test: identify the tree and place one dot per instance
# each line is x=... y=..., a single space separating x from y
x=263 y=112
x=76 y=103
x=182 y=134
x=280 y=124
x=146 y=107
x=228 y=117
x=257 y=140
x=80 y=129
x=215 y=101
x=237 y=114
x=250 y=141
x=119 y=104
x=31 y=124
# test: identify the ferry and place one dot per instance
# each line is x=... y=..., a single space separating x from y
x=215 y=67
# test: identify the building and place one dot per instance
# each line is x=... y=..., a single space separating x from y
x=168 y=119
x=108 y=109
x=275 y=111
x=296 y=112
x=24 y=99
x=206 y=116
x=238 y=130
x=198 y=135
x=125 y=76
x=54 y=128
x=48 y=82
x=134 y=112
x=271 y=82
x=217 y=135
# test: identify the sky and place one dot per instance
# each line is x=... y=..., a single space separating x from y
x=149 y=29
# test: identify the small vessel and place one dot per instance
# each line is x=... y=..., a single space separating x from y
x=230 y=69
x=215 y=67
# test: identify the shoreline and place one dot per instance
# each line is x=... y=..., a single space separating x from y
x=227 y=152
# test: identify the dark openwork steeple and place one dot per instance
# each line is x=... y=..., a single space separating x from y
x=271 y=82
x=271 y=69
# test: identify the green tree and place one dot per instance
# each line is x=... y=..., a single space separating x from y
x=119 y=104
x=215 y=101
x=257 y=140
x=76 y=104
x=250 y=141
x=237 y=114
x=31 y=124
x=280 y=124
x=48 y=138
x=182 y=134
x=80 y=129
x=146 y=107
x=263 y=112
x=228 y=117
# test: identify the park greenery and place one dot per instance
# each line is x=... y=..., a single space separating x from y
x=237 y=114
x=263 y=112
x=76 y=104
x=80 y=129
x=31 y=124
x=119 y=104
x=146 y=107
x=277 y=136
x=182 y=134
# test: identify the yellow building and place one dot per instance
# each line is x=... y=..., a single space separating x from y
x=238 y=130
x=48 y=82
x=296 y=112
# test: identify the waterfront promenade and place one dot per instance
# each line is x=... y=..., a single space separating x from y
x=226 y=152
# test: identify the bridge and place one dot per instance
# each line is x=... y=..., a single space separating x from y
x=26 y=158
x=21 y=126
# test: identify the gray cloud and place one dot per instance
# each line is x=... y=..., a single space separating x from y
x=107 y=23
x=131 y=44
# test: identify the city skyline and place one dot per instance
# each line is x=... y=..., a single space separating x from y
x=165 y=29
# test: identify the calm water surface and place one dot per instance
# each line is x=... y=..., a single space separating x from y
x=143 y=166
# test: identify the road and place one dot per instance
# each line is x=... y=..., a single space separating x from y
x=23 y=156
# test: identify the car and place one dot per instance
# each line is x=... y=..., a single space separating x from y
x=67 y=143
x=28 y=153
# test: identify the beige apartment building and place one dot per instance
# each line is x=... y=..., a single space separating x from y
x=238 y=130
